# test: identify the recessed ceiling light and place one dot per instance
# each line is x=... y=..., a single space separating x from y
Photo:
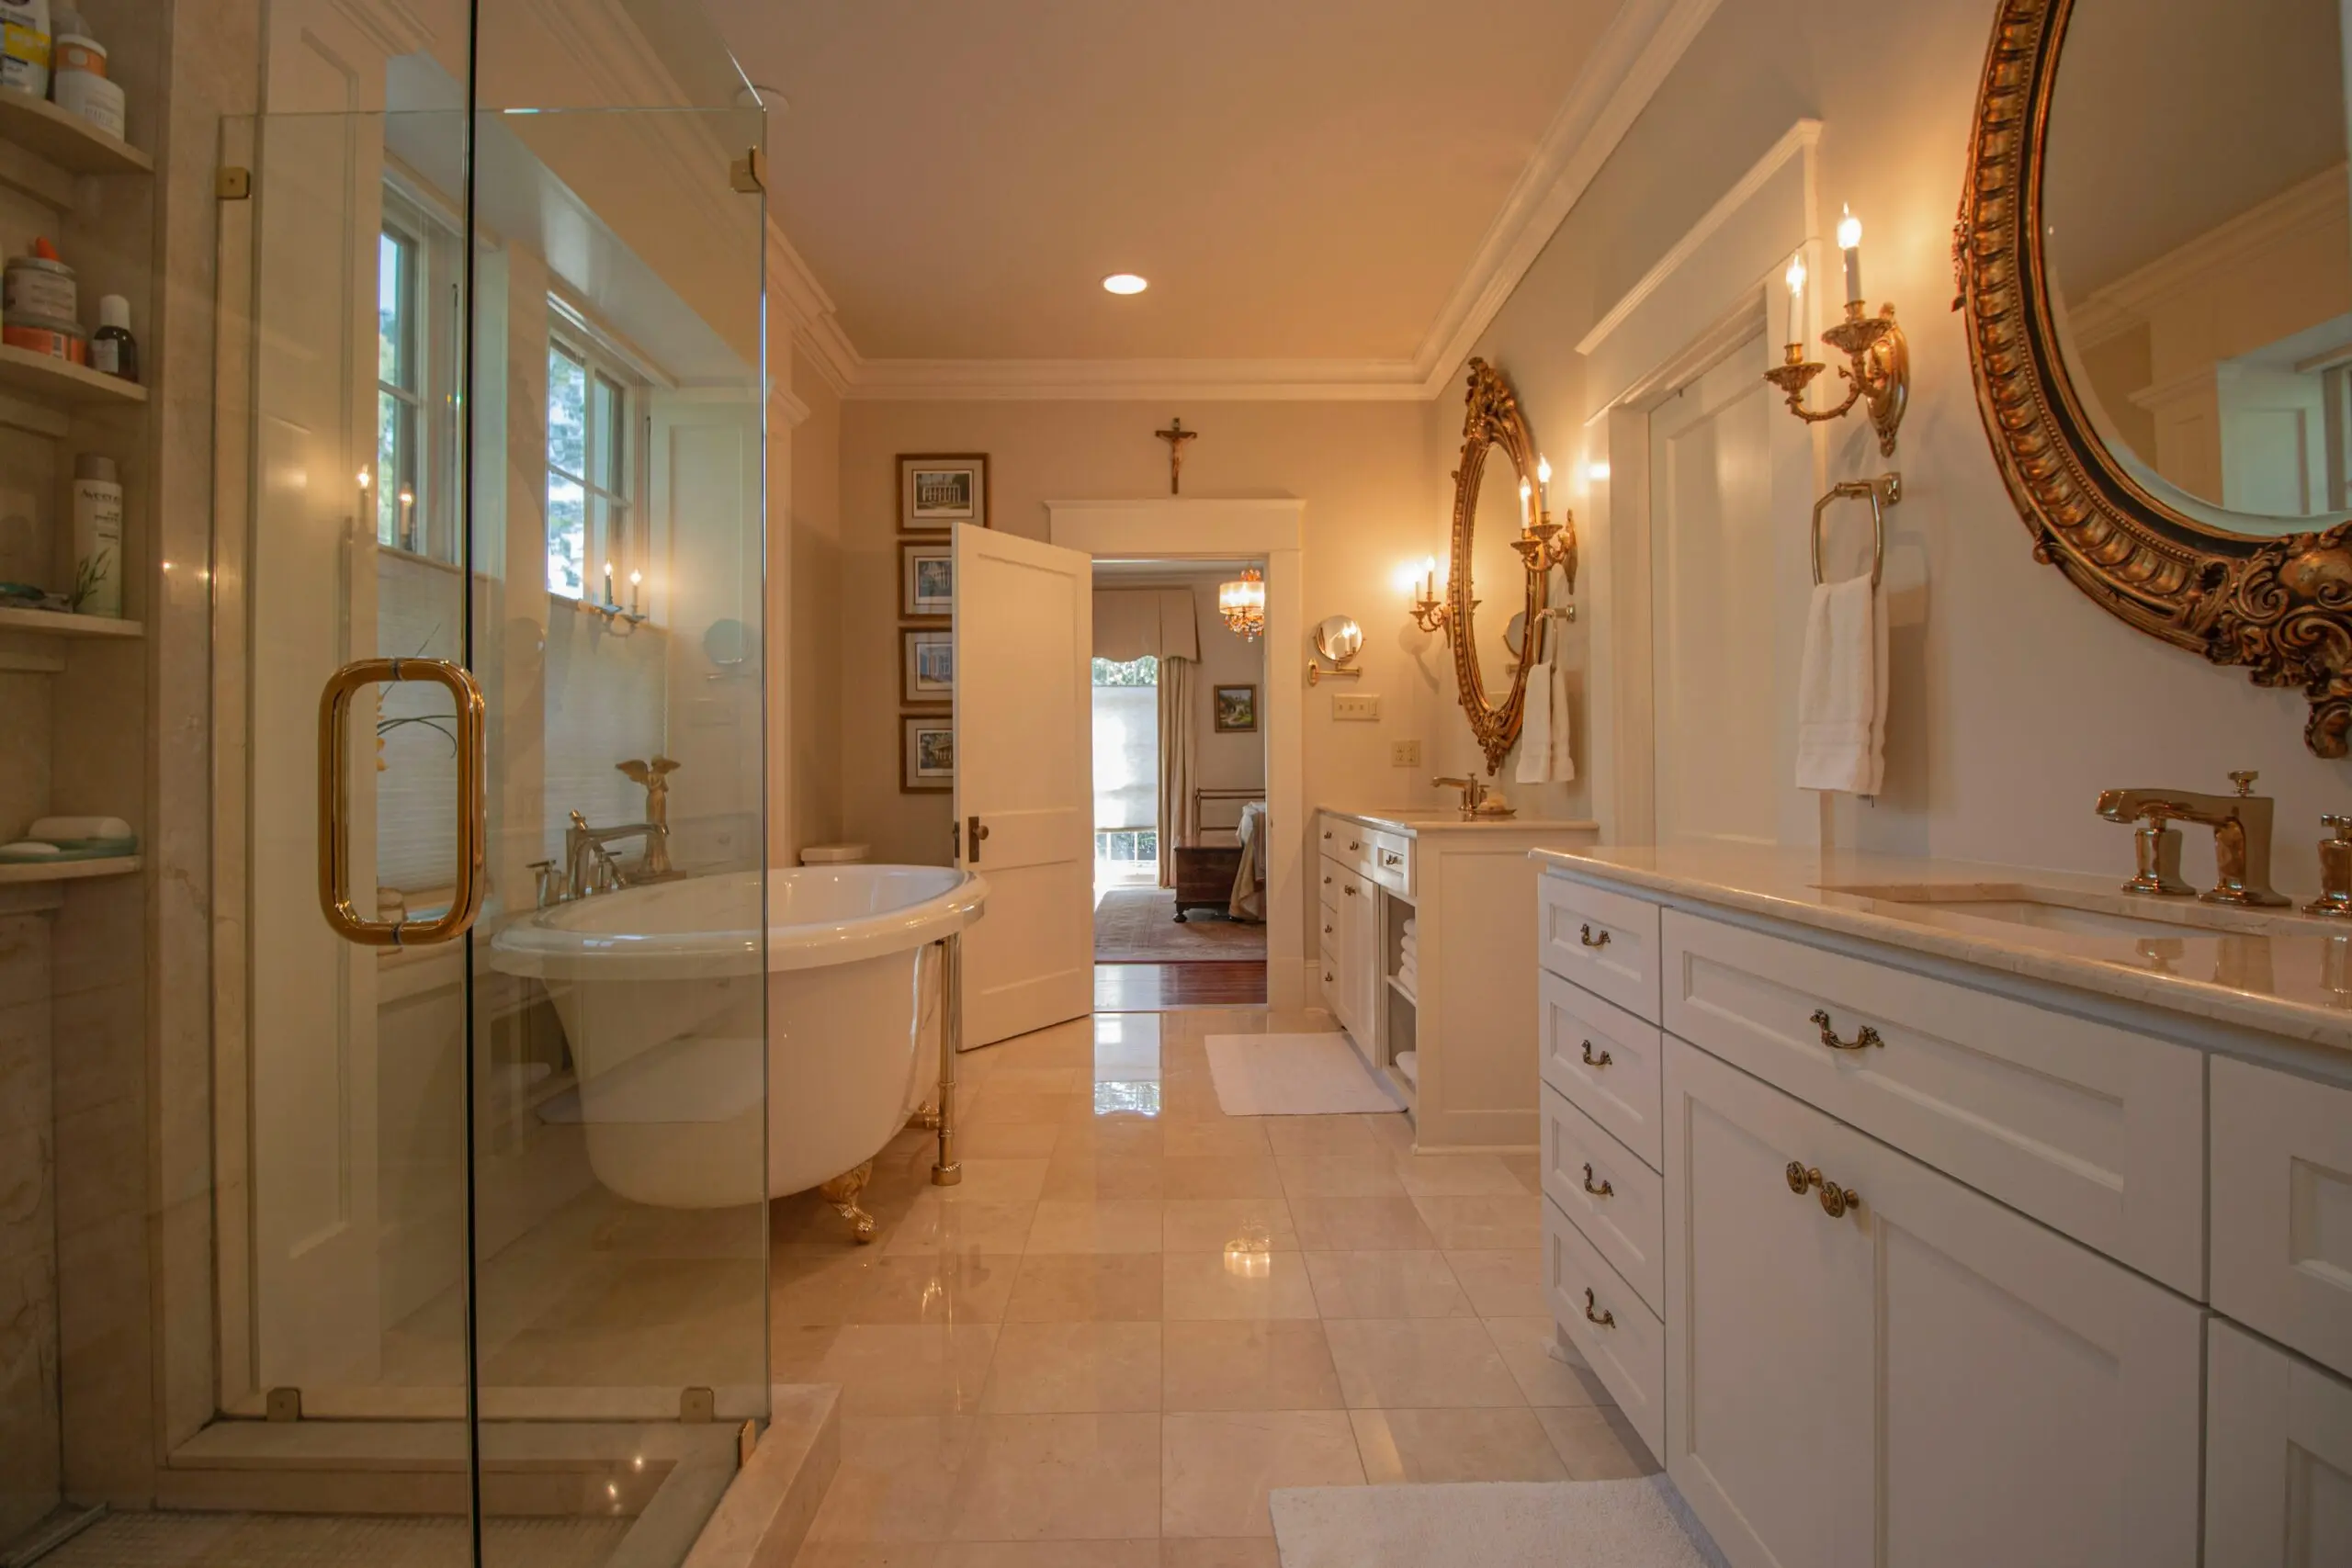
x=1126 y=282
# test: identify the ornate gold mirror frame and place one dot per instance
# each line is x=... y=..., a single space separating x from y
x=2279 y=605
x=1492 y=420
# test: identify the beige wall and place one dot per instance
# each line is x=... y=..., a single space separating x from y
x=1360 y=467
x=2016 y=699
x=814 y=647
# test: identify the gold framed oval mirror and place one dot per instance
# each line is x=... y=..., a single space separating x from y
x=1489 y=580
x=2151 y=252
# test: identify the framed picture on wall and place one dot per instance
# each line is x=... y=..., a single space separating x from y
x=1236 y=709
x=926 y=581
x=926 y=666
x=926 y=753
x=939 y=490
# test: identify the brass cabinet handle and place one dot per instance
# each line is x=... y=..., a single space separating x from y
x=1354 y=845
x=1326 y=882
x=1835 y=1200
x=1605 y=1318
x=334 y=802
x=1862 y=1041
x=1327 y=978
x=1584 y=935
x=1327 y=930
x=1603 y=1190
x=1593 y=1060
x=1327 y=835
x=1348 y=891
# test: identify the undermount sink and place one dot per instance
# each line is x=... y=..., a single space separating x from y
x=2074 y=913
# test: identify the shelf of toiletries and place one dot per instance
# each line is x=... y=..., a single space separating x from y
x=64 y=623
x=65 y=138
x=53 y=380
x=66 y=869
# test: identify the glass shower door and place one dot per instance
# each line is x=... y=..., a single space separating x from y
x=489 y=577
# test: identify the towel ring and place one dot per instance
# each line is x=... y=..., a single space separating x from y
x=1880 y=493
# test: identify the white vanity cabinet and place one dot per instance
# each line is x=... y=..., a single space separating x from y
x=1448 y=1033
x=1998 y=1348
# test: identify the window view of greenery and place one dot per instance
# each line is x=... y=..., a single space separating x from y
x=399 y=402
x=1127 y=770
x=588 y=500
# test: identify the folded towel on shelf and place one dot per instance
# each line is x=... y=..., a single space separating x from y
x=1410 y=942
x=1842 y=689
x=1412 y=925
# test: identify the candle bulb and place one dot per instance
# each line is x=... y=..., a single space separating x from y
x=1543 y=483
x=408 y=528
x=1796 y=275
x=1526 y=517
x=1849 y=240
x=636 y=596
x=608 y=582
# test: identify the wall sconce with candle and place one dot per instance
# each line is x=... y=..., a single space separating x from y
x=1878 y=354
x=1541 y=543
x=622 y=620
x=1429 y=607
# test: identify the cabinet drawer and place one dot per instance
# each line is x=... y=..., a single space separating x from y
x=2282 y=1208
x=1605 y=1061
x=2089 y=1128
x=1612 y=1327
x=1615 y=1200
x=2277 y=1457
x=1388 y=859
x=1605 y=941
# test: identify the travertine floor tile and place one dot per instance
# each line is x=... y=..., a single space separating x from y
x=1294 y=1137
x=903 y=1370
x=1460 y=1176
x=1088 y=1177
x=1217 y=1468
x=1004 y=1140
x=934 y=1287
x=938 y=1223
x=816 y=1554
x=1267 y=1365
x=1503 y=1284
x=1595 y=1443
x=1525 y=1344
x=1484 y=1224
x=1087 y=1287
x=1176 y=1553
x=1361 y=1225
x=1220 y=1176
x=1419 y=1363
x=1210 y=1224
x=1233 y=1138
x=1048 y=1555
x=1059 y=1477
x=1340 y=1176
x=1419 y=1446
x=1118 y=1224
x=1385 y=1284
x=996 y=1180
x=1073 y=1368
x=896 y=1478
x=1236 y=1285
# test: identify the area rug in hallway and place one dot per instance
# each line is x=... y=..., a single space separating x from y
x=1294 y=1075
x=1138 y=925
x=1491 y=1524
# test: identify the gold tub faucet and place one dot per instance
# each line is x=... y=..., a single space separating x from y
x=2241 y=825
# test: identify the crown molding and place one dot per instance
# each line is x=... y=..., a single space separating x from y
x=1629 y=62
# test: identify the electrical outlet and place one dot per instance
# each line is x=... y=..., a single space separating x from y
x=1403 y=753
x=1362 y=706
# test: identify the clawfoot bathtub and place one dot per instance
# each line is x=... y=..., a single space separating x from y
x=658 y=989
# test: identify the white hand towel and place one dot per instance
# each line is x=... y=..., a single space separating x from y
x=1842 y=690
x=1544 y=756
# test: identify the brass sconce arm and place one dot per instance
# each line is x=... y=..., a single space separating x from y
x=1878 y=371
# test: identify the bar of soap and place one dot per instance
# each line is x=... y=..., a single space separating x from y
x=79 y=828
x=28 y=849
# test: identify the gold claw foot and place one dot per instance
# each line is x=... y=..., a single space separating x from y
x=841 y=1193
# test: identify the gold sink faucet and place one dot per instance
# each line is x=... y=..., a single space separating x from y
x=1474 y=794
x=2241 y=825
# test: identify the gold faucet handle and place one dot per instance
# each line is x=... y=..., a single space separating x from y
x=2244 y=780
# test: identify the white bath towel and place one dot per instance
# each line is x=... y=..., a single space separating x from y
x=1841 y=692
x=1544 y=755
x=1412 y=925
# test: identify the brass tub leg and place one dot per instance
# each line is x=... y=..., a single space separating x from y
x=841 y=1193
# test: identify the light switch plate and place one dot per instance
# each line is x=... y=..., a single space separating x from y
x=1357 y=705
x=1403 y=753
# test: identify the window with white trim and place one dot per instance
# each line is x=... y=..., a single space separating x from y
x=594 y=550
x=413 y=479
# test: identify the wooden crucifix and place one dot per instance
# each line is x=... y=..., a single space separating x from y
x=1176 y=435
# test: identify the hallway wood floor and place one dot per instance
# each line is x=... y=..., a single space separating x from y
x=1148 y=988
x=1138 y=1316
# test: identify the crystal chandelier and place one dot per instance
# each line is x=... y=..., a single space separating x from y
x=1243 y=603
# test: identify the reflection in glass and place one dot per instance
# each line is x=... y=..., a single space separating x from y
x=2199 y=249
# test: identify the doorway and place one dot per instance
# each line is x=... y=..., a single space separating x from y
x=1180 y=788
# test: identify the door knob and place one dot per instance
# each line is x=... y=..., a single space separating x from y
x=975 y=832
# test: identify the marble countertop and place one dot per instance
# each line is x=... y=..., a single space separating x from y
x=1448 y=820
x=2273 y=970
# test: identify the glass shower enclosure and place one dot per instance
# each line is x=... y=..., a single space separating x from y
x=489 y=773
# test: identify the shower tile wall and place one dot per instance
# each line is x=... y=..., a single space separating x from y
x=29 y=1481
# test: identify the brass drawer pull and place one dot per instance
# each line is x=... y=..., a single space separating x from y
x=1327 y=834
x=1327 y=978
x=1835 y=1200
x=1353 y=844
x=1351 y=892
x=1584 y=935
x=1603 y=1190
x=1606 y=1319
x=1862 y=1041
x=1327 y=930
x=1593 y=1060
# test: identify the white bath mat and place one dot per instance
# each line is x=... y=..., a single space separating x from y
x=1294 y=1075
x=1491 y=1524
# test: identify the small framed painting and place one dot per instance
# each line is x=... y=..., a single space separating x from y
x=1237 y=709
x=926 y=753
x=926 y=581
x=926 y=666
x=939 y=490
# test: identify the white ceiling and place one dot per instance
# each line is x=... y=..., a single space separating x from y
x=1300 y=179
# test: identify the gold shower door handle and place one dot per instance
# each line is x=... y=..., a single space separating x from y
x=334 y=802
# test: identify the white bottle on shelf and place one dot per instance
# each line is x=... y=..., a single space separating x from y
x=24 y=46
x=97 y=536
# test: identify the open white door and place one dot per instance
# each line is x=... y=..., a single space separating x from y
x=1024 y=779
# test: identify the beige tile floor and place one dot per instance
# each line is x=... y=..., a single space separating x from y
x=1124 y=1328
